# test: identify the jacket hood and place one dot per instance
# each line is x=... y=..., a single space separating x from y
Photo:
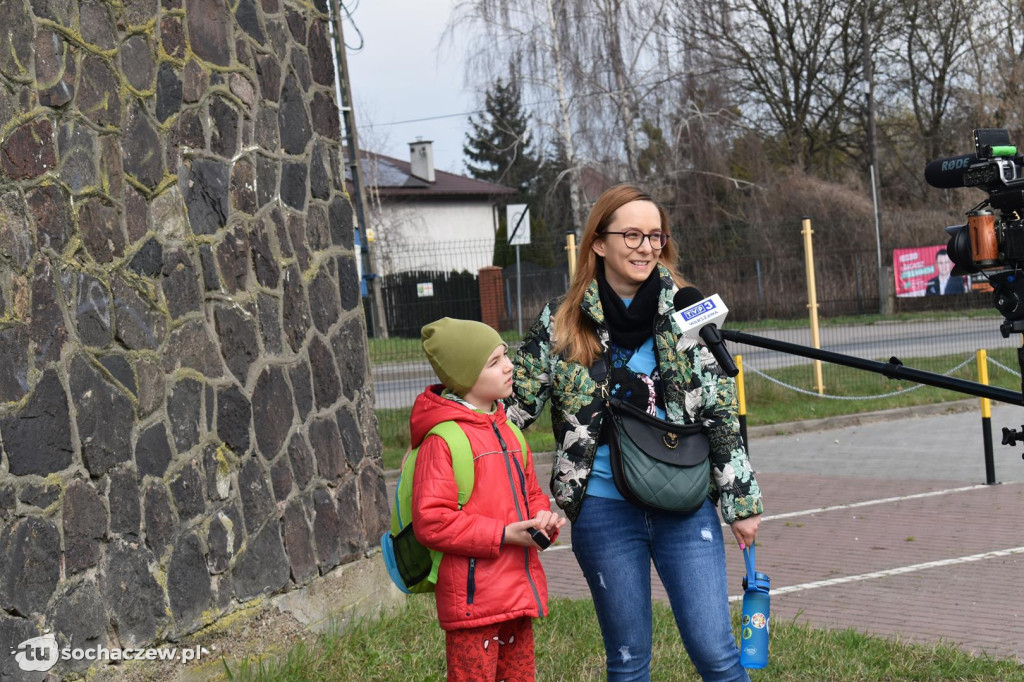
x=430 y=409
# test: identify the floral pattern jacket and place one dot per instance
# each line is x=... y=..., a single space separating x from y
x=696 y=391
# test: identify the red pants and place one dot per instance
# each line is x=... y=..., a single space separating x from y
x=500 y=652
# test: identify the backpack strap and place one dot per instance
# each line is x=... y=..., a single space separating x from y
x=462 y=456
x=522 y=442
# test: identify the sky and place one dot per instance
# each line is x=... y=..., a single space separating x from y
x=403 y=73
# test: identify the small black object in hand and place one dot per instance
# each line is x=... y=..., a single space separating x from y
x=542 y=540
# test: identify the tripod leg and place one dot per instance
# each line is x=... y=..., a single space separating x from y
x=1020 y=363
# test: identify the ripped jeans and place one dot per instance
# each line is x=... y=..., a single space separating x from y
x=615 y=542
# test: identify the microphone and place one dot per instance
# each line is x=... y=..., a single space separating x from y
x=948 y=173
x=698 y=318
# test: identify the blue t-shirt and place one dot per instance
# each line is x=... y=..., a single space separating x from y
x=643 y=363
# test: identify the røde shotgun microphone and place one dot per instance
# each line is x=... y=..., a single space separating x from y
x=698 y=318
x=948 y=173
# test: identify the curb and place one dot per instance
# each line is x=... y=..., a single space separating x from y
x=809 y=425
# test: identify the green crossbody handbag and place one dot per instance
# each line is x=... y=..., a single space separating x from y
x=657 y=465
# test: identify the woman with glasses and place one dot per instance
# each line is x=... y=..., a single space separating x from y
x=616 y=316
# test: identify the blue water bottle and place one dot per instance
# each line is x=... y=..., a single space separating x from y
x=754 y=624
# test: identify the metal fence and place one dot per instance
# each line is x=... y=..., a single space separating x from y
x=755 y=289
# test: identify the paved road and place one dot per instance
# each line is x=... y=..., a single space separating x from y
x=397 y=385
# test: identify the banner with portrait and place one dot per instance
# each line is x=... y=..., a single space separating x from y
x=926 y=271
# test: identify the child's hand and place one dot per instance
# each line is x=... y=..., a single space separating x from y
x=548 y=522
x=518 y=533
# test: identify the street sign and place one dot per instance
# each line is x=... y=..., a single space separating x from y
x=517 y=220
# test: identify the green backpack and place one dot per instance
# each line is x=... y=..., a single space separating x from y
x=413 y=567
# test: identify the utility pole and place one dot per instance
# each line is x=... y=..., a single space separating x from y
x=869 y=94
x=378 y=322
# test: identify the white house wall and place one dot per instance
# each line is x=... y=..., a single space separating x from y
x=435 y=236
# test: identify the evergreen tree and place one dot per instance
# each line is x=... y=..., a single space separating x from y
x=498 y=145
x=499 y=150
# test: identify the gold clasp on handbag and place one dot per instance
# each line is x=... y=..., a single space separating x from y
x=670 y=440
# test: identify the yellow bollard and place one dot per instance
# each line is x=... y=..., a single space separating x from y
x=812 y=300
x=986 y=419
x=570 y=246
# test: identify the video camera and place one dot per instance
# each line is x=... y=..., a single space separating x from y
x=992 y=241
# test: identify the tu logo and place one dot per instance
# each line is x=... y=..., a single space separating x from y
x=38 y=654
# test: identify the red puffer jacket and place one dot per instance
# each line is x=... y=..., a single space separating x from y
x=480 y=581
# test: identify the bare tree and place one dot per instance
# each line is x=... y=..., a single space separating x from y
x=798 y=62
x=934 y=47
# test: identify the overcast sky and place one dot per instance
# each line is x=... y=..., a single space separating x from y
x=402 y=74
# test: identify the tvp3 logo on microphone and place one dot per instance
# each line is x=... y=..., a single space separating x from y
x=692 y=319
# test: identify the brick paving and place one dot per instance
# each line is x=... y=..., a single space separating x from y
x=977 y=605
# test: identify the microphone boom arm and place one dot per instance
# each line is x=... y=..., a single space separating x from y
x=894 y=369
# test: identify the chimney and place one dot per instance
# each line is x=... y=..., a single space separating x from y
x=422 y=157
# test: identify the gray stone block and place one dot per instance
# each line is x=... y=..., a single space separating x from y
x=85 y=524
x=262 y=567
x=257 y=502
x=323 y=298
x=134 y=598
x=187 y=490
x=123 y=500
x=180 y=283
x=273 y=411
x=79 y=619
x=325 y=440
x=301 y=457
x=188 y=583
x=292 y=118
x=326 y=531
x=37 y=439
x=29 y=565
x=264 y=262
x=185 y=413
x=234 y=416
x=159 y=517
x=298 y=541
x=326 y=384
x=152 y=451
x=206 y=195
x=302 y=388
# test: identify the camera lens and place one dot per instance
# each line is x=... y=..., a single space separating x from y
x=959 y=250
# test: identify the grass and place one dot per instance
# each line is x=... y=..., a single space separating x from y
x=409 y=645
x=770 y=403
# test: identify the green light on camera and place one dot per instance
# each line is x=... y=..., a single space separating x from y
x=1004 y=150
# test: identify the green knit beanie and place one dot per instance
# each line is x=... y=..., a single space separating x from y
x=458 y=350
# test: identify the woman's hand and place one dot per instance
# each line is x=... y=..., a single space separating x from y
x=745 y=530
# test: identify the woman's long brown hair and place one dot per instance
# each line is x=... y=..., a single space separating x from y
x=573 y=333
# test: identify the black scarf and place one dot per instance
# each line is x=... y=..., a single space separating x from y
x=630 y=327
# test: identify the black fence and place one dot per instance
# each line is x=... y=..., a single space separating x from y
x=413 y=299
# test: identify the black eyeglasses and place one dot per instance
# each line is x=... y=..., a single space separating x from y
x=634 y=238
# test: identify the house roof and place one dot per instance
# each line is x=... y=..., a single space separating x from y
x=393 y=178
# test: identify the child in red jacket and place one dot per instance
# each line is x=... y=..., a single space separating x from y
x=490 y=584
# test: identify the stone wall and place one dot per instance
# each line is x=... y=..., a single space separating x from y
x=185 y=407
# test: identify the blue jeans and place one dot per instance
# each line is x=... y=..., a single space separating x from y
x=615 y=542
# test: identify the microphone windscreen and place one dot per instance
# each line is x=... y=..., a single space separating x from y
x=948 y=173
x=686 y=297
